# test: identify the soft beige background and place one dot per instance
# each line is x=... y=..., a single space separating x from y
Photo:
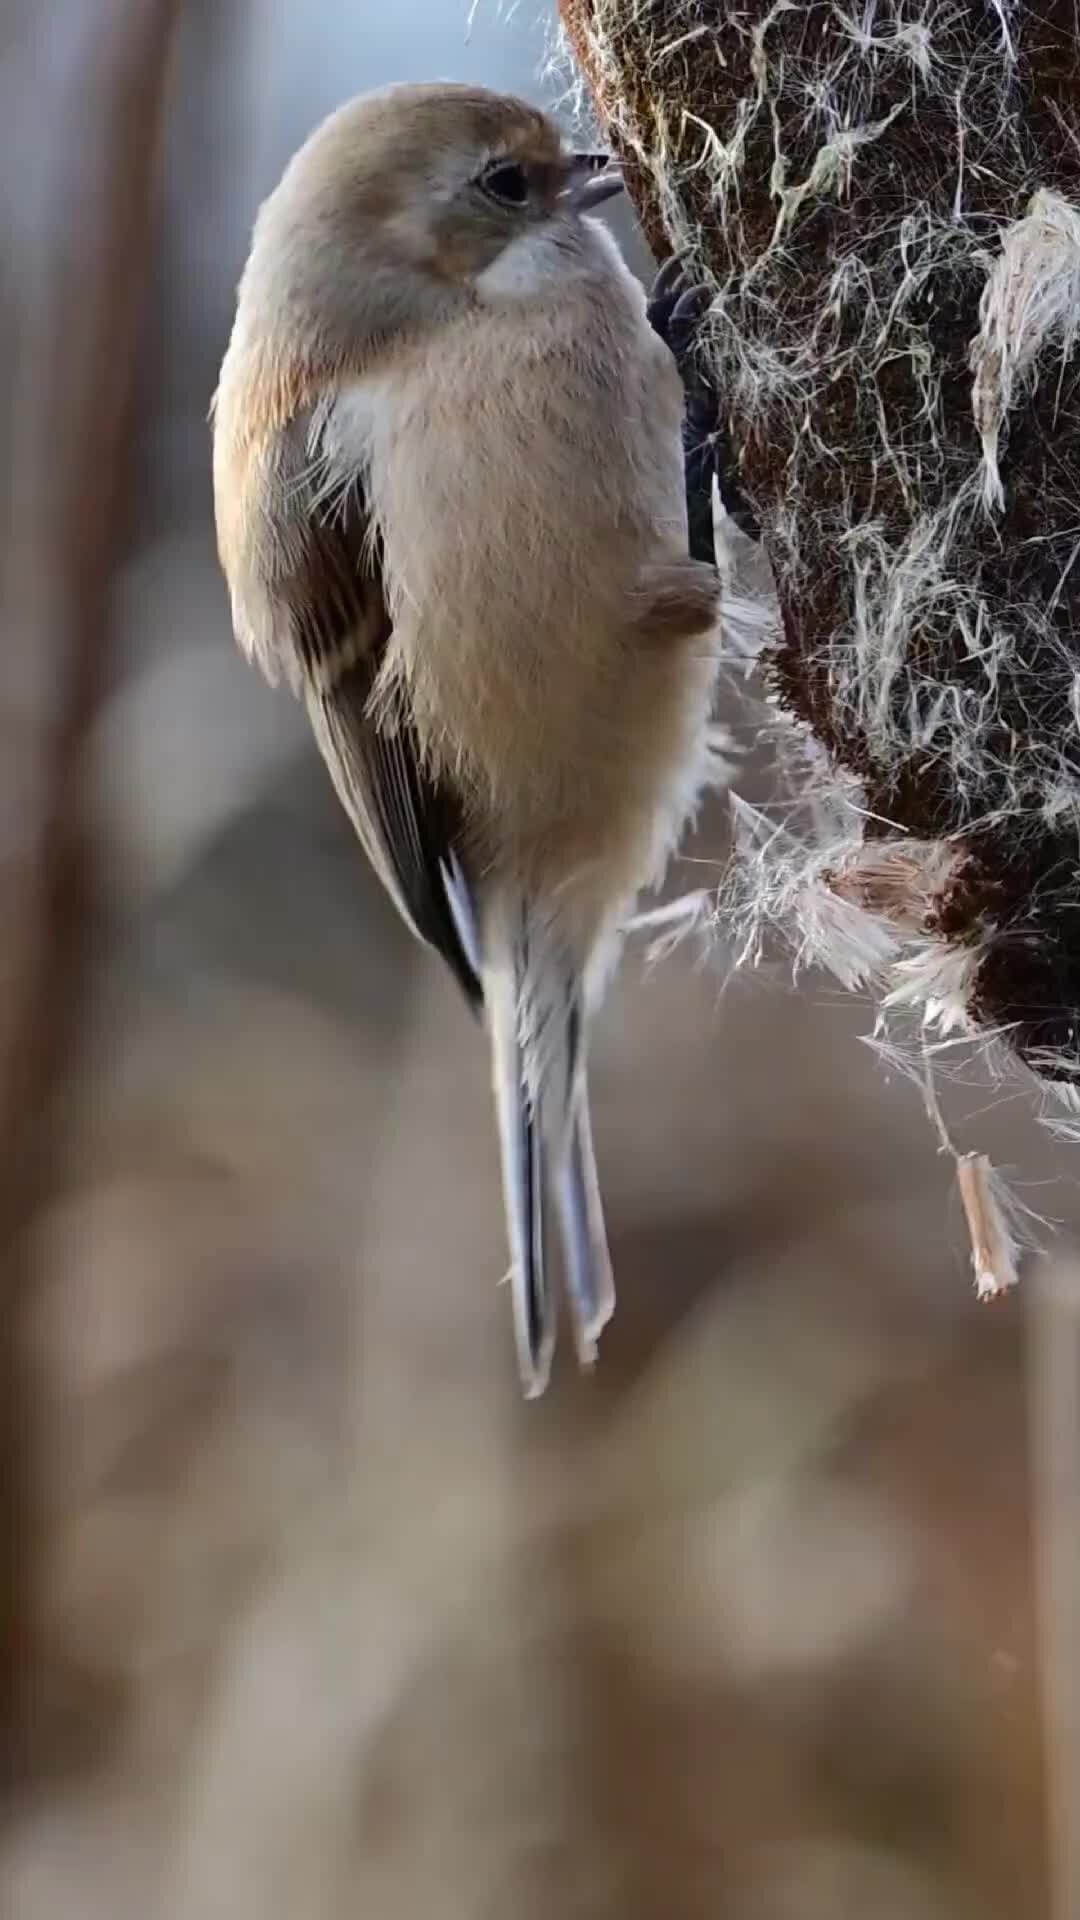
x=329 y=1623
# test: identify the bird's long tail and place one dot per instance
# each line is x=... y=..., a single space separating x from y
x=541 y=1095
x=521 y=1149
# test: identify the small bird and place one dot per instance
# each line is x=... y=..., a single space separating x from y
x=450 y=506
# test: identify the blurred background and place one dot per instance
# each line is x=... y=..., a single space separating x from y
x=306 y=1614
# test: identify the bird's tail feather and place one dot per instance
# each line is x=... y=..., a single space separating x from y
x=522 y=1152
x=590 y=1284
x=541 y=1091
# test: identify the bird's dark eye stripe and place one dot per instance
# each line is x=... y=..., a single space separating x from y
x=506 y=181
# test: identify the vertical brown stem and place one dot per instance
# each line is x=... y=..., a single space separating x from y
x=1054 y=1401
x=77 y=337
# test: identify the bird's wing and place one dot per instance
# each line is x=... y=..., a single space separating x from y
x=309 y=599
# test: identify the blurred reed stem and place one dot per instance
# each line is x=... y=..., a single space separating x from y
x=76 y=333
x=1053 y=1325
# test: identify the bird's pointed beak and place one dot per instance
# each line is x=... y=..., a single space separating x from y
x=594 y=178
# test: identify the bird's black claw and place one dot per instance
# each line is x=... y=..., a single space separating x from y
x=670 y=281
x=676 y=307
x=685 y=320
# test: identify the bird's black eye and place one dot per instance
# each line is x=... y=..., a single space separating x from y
x=506 y=182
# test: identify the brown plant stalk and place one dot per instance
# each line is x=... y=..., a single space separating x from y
x=77 y=329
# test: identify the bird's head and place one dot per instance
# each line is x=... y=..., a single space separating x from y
x=437 y=184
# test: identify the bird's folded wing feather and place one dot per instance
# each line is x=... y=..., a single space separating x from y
x=323 y=574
